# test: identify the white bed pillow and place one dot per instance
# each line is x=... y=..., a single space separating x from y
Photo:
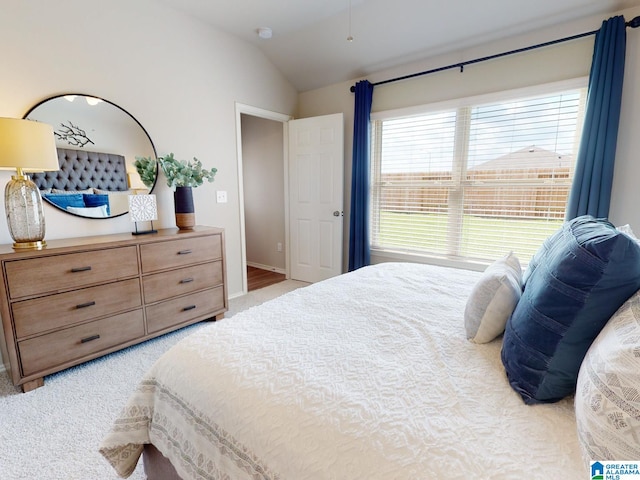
x=607 y=400
x=626 y=229
x=493 y=299
x=93 y=212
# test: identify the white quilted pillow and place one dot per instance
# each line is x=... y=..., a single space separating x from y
x=608 y=391
x=493 y=299
x=93 y=212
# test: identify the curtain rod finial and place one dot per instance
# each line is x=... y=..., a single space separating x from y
x=352 y=89
x=634 y=22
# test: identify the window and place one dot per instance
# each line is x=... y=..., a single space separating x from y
x=475 y=180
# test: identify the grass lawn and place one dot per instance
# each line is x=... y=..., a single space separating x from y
x=482 y=237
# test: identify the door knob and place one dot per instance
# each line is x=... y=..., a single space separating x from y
x=336 y=213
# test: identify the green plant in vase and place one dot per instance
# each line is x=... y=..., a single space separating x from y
x=180 y=173
x=183 y=176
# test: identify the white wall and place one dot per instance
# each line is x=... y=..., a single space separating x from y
x=263 y=178
x=558 y=62
x=178 y=77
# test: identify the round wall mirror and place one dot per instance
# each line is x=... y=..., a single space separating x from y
x=97 y=143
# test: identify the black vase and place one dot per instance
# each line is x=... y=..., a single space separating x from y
x=185 y=211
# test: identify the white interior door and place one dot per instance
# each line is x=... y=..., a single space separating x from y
x=316 y=176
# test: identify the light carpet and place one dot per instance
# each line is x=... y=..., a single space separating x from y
x=53 y=432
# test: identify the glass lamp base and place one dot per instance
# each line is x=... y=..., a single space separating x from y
x=25 y=218
x=39 y=245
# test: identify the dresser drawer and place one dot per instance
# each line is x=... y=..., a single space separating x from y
x=53 y=349
x=36 y=276
x=180 y=310
x=161 y=286
x=179 y=253
x=64 y=309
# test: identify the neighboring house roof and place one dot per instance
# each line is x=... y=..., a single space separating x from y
x=527 y=158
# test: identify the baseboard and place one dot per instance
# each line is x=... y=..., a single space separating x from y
x=266 y=267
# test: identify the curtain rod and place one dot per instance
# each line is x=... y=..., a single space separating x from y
x=634 y=23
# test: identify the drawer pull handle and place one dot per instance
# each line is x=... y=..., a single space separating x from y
x=190 y=307
x=86 y=304
x=80 y=269
x=89 y=339
x=187 y=280
x=184 y=252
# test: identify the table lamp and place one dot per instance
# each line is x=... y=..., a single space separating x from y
x=136 y=184
x=26 y=146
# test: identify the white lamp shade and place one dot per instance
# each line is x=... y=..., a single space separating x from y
x=27 y=145
x=135 y=182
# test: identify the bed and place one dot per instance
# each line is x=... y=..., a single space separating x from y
x=367 y=375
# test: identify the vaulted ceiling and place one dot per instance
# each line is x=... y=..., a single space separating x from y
x=309 y=42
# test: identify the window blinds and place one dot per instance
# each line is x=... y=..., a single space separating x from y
x=475 y=181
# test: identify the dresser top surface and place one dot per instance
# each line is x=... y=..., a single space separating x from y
x=105 y=241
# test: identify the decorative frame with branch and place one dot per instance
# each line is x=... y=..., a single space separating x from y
x=73 y=135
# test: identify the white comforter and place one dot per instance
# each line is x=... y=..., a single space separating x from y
x=364 y=376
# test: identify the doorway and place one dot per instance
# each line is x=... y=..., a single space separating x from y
x=312 y=190
x=262 y=173
x=263 y=186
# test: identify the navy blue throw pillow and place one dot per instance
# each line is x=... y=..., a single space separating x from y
x=578 y=279
x=64 y=200
x=96 y=200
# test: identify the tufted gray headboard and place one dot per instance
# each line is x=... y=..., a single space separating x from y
x=80 y=170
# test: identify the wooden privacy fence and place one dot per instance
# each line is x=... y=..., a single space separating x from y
x=530 y=192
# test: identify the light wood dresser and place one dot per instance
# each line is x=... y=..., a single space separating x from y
x=78 y=299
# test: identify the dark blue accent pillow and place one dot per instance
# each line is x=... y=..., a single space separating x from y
x=64 y=200
x=540 y=254
x=96 y=200
x=578 y=279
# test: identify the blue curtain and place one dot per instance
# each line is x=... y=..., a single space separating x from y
x=359 y=249
x=591 y=189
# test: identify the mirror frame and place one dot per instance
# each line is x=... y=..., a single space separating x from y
x=153 y=148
